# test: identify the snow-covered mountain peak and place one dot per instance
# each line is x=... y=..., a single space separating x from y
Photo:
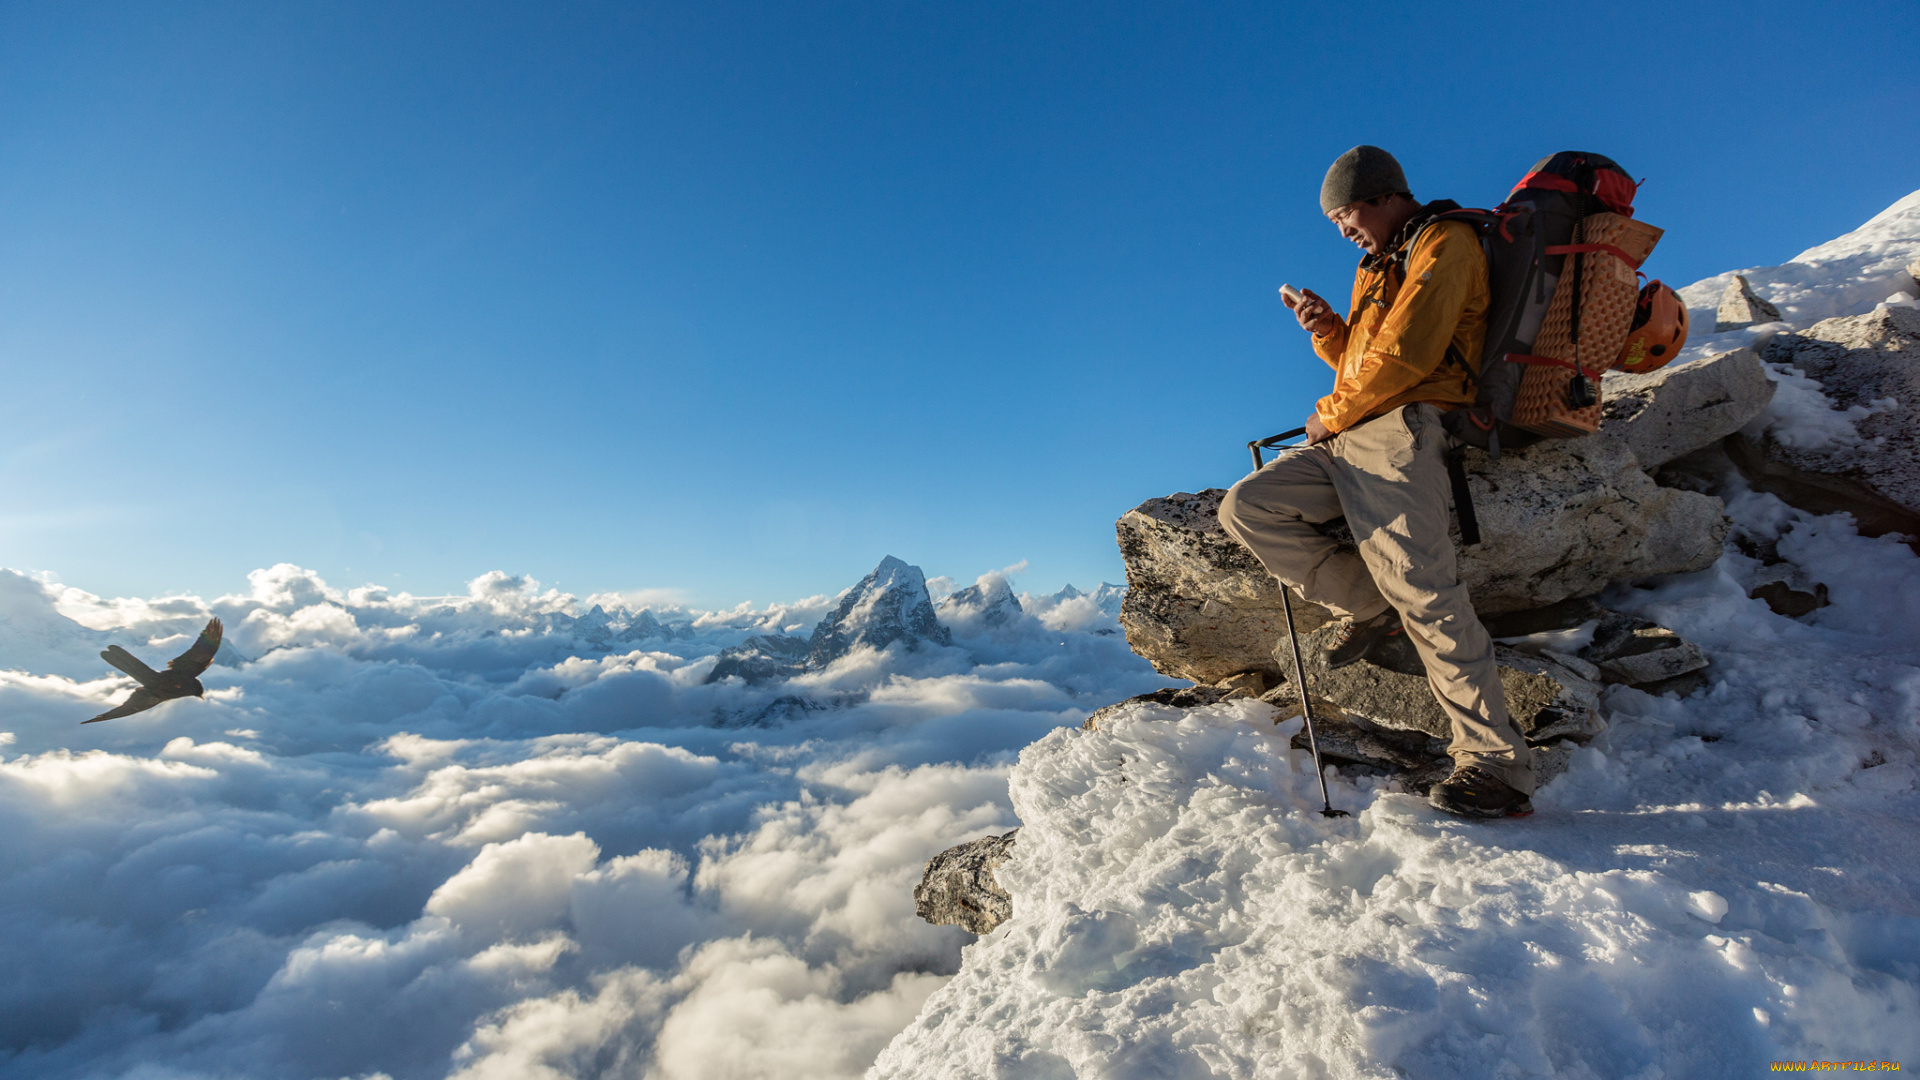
x=987 y=603
x=890 y=604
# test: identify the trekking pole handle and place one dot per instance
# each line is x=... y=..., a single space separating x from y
x=1269 y=443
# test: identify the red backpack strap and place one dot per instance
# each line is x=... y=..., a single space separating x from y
x=1572 y=249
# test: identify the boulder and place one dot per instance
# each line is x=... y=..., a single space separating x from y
x=1681 y=408
x=958 y=888
x=1350 y=741
x=1198 y=605
x=1549 y=700
x=1560 y=519
x=1741 y=306
x=1868 y=365
x=1549 y=761
x=1635 y=652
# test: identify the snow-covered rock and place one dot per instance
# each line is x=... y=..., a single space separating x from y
x=1844 y=276
x=1867 y=368
x=1181 y=909
x=889 y=605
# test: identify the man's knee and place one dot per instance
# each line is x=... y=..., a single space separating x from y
x=1231 y=511
x=1242 y=516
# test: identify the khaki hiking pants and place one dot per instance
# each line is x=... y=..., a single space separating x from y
x=1388 y=477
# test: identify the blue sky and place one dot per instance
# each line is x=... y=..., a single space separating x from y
x=734 y=299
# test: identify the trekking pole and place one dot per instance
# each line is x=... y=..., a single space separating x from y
x=1306 y=706
x=1293 y=641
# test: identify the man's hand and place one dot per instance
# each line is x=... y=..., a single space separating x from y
x=1315 y=315
x=1317 y=431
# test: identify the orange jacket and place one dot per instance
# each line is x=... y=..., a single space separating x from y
x=1391 y=350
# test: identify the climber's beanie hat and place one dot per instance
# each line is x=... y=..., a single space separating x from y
x=1364 y=172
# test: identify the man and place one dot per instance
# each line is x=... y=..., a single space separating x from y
x=1377 y=456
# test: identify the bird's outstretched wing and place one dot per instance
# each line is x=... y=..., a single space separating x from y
x=199 y=656
x=129 y=663
x=140 y=700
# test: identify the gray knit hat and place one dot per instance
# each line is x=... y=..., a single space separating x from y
x=1364 y=172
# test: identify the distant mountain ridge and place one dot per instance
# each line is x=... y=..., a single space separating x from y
x=889 y=606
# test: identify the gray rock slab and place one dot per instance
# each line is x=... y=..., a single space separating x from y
x=1568 y=517
x=1681 y=408
x=958 y=888
x=1343 y=741
x=1389 y=690
x=1635 y=652
x=1198 y=605
x=1173 y=697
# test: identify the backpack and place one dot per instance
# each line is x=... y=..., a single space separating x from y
x=1563 y=255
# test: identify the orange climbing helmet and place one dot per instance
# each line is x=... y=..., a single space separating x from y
x=1659 y=330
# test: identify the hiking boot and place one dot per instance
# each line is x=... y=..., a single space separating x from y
x=1352 y=641
x=1470 y=792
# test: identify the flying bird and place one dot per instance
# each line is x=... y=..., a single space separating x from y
x=181 y=679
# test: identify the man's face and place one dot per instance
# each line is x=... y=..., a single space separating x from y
x=1367 y=225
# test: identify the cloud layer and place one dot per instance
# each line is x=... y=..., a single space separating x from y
x=493 y=835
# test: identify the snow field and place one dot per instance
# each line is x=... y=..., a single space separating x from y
x=1718 y=883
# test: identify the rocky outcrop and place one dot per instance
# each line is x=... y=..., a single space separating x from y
x=1547 y=698
x=1680 y=408
x=1869 y=367
x=1556 y=521
x=1741 y=306
x=1198 y=605
x=958 y=888
x=1561 y=519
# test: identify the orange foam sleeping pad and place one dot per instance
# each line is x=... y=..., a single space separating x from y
x=1609 y=288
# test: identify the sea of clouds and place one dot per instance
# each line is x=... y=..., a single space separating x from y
x=485 y=836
